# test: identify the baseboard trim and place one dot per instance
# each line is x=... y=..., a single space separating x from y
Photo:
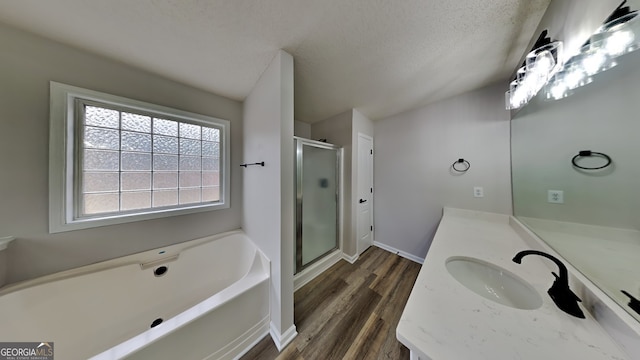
x=405 y=255
x=310 y=273
x=282 y=340
x=350 y=259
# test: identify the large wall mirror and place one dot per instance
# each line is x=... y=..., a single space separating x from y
x=590 y=217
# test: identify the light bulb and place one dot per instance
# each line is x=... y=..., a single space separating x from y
x=544 y=63
x=593 y=62
x=574 y=77
x=618 y=42
x=557 y=91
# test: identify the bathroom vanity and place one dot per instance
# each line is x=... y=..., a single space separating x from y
x=444 y=319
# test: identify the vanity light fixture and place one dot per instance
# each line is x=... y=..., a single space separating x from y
x=540 y=65
x=572 y=76
x=618 y=36
x=594 y=59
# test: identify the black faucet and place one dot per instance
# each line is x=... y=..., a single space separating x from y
x=634 y=303
x=559 y=292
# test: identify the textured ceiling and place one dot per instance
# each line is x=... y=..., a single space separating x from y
x=381 y=57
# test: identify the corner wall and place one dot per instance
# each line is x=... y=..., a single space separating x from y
x=27 y=64
x=413 y=153
x=268 y=202
x=301 y=129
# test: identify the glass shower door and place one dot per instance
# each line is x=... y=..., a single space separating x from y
x=317 y=196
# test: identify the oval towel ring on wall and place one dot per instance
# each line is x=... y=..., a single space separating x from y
x=585 y=153
x=461 y=161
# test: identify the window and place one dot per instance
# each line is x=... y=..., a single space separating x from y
x=115 y=160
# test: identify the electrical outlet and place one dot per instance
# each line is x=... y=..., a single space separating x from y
x=478 y=191
x=555 y=196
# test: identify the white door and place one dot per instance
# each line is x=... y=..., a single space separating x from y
x=365 y=193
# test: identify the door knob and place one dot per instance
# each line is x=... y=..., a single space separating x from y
x=362 y=201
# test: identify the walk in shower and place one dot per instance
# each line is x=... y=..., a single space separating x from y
x=317 y=198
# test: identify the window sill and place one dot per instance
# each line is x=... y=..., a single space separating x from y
x=57 y=224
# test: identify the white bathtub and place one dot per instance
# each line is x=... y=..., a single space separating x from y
x=213 y=300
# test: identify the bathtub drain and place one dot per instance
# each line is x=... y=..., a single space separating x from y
x=160 y=271
x=156 y=322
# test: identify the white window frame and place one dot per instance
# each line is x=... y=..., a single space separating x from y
x=63 y=153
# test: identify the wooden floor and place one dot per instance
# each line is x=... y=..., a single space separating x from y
x=349 y=312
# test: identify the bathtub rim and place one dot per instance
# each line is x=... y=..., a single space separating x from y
x=171 y=253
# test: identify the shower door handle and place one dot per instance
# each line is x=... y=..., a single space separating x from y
x=362 y=201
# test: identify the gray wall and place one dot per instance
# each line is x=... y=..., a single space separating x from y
x=27 y=64
x=413 y=153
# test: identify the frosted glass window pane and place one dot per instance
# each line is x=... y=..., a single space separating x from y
x=189 y=147
x=136 y=122
x=165 y=144
x=165 y=198
x=189 y=163
x=101 y=160
x=165 y=127
x=99 y=138
x=101 y=203
x=210 y=178
x=190 y=131
x=165 y=162
x=135 y=200
x=210 y=149
x=210 y=164
x=165 y=180
x=136 y=161
x=190 y=179
x=210 y=134
x=210 y=194
x=101 y=181
x=97 y=116
x=188 y=196
x=136 y=141
x=136 y=181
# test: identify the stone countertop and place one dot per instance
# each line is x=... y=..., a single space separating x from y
x=608 y=256
x=444 y=320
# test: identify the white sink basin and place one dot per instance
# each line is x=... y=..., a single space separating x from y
x=493 y=282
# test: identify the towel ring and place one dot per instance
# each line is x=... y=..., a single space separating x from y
x=586 y=153
x=463 y=162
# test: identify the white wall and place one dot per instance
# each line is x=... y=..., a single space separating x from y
x=268 y=203
x=27 y=64
x=413 y=153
